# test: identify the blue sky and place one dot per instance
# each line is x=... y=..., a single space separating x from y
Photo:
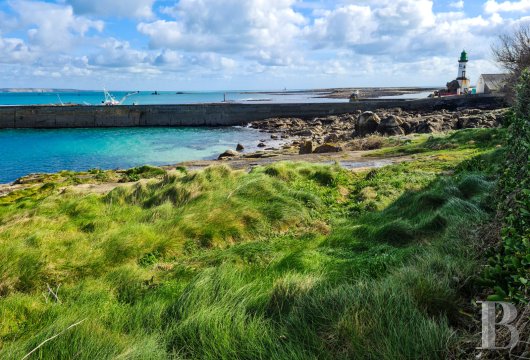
x=247 y=44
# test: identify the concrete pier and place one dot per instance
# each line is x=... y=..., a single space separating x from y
x=221 y=114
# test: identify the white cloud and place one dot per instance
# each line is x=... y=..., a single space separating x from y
x=51 y=26
x=121 y=8
x=382 y=26
x=407 y=30
x=115 y=53
x=13 y=50
x=493 y=6
x=251 y=27
x=349 y=24
x=457 y=4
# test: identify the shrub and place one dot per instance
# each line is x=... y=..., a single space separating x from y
x=508 y=272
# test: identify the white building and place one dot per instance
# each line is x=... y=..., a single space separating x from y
x=489 y=83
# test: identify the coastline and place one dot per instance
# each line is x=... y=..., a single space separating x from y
x=348 y=139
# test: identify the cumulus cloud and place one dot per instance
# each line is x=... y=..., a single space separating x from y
x=116 y=53
x=13 y=50
x=493 y=6
x=351 y=24
x=122 y=8
x=253 y=27
x=408 y=30
x=375 y=27
x=52 y=26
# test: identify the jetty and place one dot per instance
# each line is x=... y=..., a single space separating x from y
x=215 y=114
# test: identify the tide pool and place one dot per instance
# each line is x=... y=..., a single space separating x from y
x=28 y=151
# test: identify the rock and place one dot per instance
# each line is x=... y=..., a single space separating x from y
x=275 y=137
x=367 y=123
x=304 y=132
x=228 y=154
x=261 y=144
x=333 y=137
x=240 y=147
x=355 y=96
x=409 y=125
x=391 y=126
x=327 y=148
x=306 y=147
x=428 y=126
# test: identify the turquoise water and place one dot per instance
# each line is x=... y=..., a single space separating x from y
x=31 y=151
x=163 y=97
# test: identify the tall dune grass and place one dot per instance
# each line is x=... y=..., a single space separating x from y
x=288 y=261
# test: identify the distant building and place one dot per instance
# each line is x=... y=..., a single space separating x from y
x=462 y=78
x=491 y=83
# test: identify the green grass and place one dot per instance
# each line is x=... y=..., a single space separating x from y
x=289 y=261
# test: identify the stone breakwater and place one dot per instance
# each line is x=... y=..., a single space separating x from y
x=226 y=114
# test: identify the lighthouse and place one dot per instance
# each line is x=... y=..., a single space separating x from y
x=462 y=79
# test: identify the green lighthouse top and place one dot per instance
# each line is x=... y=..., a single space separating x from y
x=463 y=56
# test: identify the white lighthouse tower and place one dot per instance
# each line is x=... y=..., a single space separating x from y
x=462 y=79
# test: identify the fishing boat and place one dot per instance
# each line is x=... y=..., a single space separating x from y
x=111 y=100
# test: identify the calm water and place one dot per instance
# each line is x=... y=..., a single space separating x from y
x=30 y=151
x=163 y=97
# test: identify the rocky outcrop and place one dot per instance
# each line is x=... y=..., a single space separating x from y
x=391 y=125
x=327 y=148
x=240 y=147
x=367 y=123
x=228 y=154
x=388 y=122
x=306 y=147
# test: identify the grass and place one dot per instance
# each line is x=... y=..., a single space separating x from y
x=289 y=261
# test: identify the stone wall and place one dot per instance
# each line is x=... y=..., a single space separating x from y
x=222 y=114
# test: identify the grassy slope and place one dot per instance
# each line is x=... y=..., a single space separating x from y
x=287 y=261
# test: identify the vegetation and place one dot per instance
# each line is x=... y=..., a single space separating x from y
x=288 y=261
x=508 y=272
x=512 y=52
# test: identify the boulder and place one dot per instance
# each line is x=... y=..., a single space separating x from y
x=409 y=125
x=228 y=154
x=333 y=137
x=306 y=147
x=367 y=123
x=391 y=125
x=261 y=144
x=428 y=126
x=240 y=147
x=327 y=148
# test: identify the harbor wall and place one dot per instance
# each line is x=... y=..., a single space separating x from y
x=220 y=114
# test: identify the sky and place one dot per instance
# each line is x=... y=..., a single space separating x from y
x=248 y=44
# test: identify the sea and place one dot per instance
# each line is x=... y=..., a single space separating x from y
x=26 y=151
x=158 y=97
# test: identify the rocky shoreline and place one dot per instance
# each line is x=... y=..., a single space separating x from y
x=359 y=130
